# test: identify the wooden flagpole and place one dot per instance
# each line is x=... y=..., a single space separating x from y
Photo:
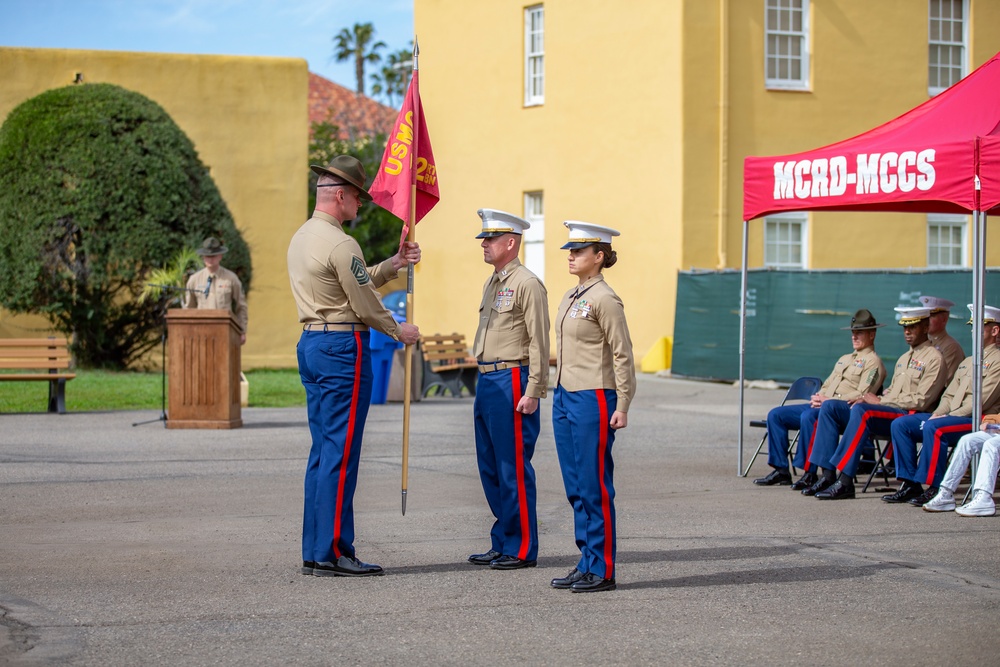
x=411 y=236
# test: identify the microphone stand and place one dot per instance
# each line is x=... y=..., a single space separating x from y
x=163 y=356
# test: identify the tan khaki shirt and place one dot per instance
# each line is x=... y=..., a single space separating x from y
x=952 y=352
x=854 y=375
x=595 y=349
x=330 y=281
x=225 y=292
x=957 y=398
x=514 y=324
x=917 y=380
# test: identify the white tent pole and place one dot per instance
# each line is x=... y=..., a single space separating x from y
x=978 y=300
x=978 y=283
x=743 y=342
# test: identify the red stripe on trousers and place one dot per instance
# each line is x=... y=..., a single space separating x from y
x=870 y=414
x=809 y=450
x=954 y=428
x=347 y=446
x=522 y=500
x=602 y=409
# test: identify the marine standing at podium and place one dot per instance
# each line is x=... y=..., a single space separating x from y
x=216 y=287
x=336 y=299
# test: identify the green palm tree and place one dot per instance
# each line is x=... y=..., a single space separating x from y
x=391 y=82
x=354 y=43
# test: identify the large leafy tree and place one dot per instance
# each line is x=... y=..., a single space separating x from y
x=356 y=44
x=376 y=230
x=98 y=187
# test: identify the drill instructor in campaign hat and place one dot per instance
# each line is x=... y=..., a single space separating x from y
x=337 y=302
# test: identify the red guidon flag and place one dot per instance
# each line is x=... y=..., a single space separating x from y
x=408 y=159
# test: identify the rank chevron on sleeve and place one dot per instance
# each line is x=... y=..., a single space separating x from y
x=359 y=271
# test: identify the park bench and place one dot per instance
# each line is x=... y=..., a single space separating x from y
x=447 y=364
x=50 y=355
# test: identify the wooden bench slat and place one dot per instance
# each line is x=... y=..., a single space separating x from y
x=33 y=353
x=33 y=342
x=447 y=354
x=33 y=363
x=36 y=376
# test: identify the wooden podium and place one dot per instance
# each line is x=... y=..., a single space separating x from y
x=203 y=367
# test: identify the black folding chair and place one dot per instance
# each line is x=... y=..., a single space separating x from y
x=801 y=390
x=882 y=454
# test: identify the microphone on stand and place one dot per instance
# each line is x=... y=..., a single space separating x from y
x=208 y=286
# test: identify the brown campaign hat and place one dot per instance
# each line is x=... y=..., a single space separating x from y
x=212 y=246
x=345 y=168
x=862 y=321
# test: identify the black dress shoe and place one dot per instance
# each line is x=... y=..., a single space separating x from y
x=307 y=567
x=486 y=558
x=511 y=563
x=804 y=482
x=924 y=497
x=777 y=476
x=565 y=582
x=839 y=490
x=591 y=583
x=904 y=493
x=822 y=484
x=347 y=567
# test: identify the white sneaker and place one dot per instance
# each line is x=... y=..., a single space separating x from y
x=943 y=501
x=981 y=505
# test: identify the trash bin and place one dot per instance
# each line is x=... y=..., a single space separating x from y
x=383 y=347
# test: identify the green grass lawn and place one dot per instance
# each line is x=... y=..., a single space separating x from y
x=106 y=390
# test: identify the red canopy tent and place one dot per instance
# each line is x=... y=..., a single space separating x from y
x=940 y=157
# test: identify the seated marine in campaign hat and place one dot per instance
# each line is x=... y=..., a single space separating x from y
x=854 y=374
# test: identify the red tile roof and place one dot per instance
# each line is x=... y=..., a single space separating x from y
x=354 y=114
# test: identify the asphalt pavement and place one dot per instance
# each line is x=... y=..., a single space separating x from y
x=124 y=545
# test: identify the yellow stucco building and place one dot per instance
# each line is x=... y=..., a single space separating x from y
x=638 y=114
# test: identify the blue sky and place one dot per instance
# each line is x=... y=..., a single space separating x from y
x=294 y=28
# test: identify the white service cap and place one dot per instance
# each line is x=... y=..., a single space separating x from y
x=936 y=304
x=908 y=316
x=583 y=234
x=496 y=223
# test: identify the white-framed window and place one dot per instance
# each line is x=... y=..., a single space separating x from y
x=534 y=55
x=533 y=240
x=786 y=44
x=947 y=241
x=947 y=43
x=785 y=240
